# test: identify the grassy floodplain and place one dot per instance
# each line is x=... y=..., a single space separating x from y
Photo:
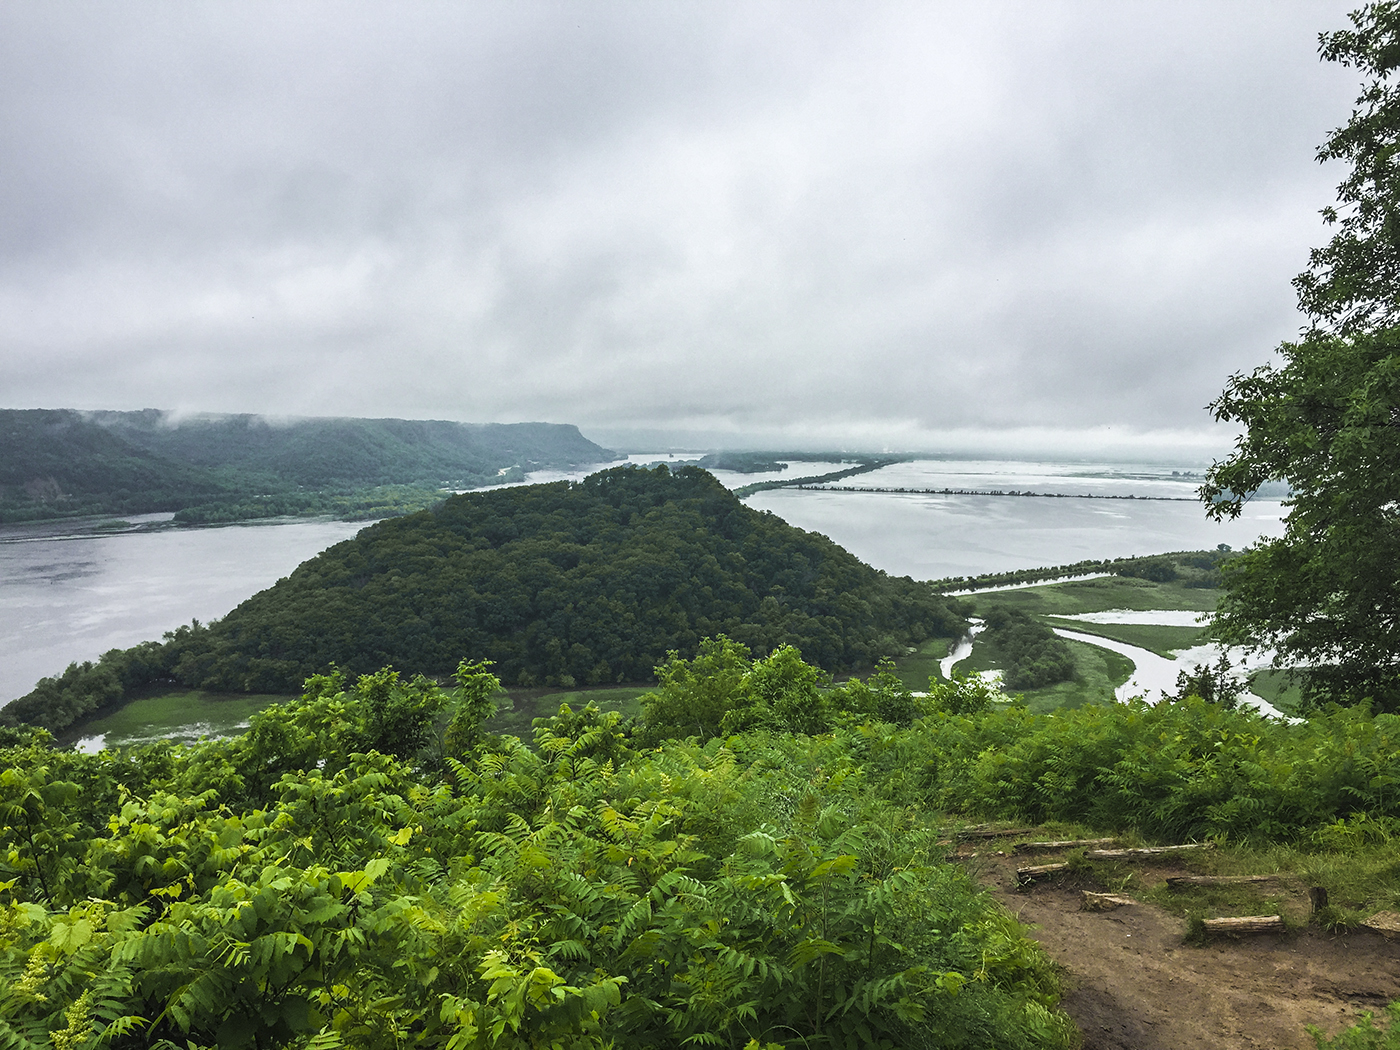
x=183 y=716
x=1097 y=672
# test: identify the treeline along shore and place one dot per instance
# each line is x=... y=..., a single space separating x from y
x=865 y=466
x=818 y=485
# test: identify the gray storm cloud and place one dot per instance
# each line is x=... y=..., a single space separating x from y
x=888 y=224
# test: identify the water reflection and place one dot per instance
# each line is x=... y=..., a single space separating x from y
x=69 y=594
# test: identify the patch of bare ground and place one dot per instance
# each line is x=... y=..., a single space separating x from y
x=1134 y=982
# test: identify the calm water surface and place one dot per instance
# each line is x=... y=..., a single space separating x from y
x=69 y=595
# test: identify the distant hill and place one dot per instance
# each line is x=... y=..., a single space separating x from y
x=560 y=584
x=60 y=462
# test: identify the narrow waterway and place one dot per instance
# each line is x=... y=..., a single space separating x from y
x=1154 y=676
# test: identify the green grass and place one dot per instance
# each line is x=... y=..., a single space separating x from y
x=1275 y=687
x=1110 y=592
x=1097 y=673
x=917 y=668
x=1156 y=638
x=517 y=709
x=183 y=717
x=1360 y=878
x=187 y=715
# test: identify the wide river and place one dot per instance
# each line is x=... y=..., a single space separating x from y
x=70 y=593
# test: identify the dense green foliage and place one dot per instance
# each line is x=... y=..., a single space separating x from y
x=722 y=691
x=284 y=890
x=742 y=462
x=1028 y=652
x=1352 y=284
x=1326 y=595
x=299 y=886
x=563 y=584
x=1365 y=1034
x=1174 y=772
x=56 y=463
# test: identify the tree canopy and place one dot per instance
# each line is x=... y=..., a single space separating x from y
x=1326 y=595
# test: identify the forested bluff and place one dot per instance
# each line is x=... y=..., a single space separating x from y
x=559 y=584
x=58 y=463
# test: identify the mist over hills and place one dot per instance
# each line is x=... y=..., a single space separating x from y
x=61 y=462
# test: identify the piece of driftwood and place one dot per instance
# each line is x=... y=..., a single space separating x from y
x=1143 y=851
x=1245 y=924
x=1038 y=871
x=1177 y=881
x=1046 y=847
x=992 y=833
x=1104 y=901
x=1386 y=923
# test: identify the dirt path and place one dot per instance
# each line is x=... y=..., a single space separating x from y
x=1134 y=983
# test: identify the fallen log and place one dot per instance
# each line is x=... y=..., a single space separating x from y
x=1024 y=876
x=1046 y=847
x=1143 y=851
x=1245 y=924
x=1177 y=881
x=1104 y=901
x=982 y=832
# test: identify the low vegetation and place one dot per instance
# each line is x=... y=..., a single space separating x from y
x=368 y=866
x=365 y=867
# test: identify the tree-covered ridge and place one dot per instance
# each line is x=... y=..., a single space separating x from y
x=55 y=463
x=560 y=584
x=327 y=451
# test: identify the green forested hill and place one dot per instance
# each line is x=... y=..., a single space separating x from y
x=559 y=584
x=56 y=463
x=316 y=452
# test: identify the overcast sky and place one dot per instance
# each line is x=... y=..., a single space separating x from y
x=940 y=226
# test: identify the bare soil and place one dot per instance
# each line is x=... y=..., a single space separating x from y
x=1134 y=982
